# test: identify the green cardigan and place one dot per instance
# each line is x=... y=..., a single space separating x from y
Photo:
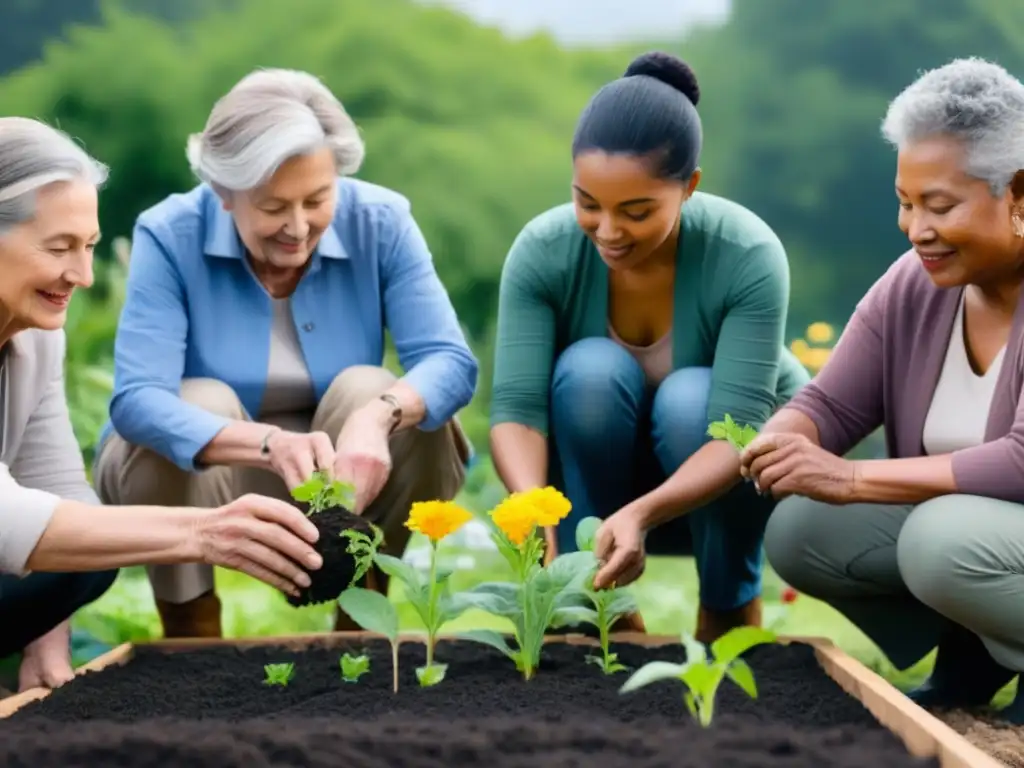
x=731 y=302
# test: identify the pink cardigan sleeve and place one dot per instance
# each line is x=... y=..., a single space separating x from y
x=994 y=469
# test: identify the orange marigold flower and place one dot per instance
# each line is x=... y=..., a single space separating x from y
x=516 y=517
x=437 y=519
x=552 y=506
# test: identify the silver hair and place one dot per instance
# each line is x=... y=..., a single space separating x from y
x=974 y=101
x=268 y=117
x=34 y=155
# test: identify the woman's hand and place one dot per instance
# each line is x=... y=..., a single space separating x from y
x=262 y=537
x=619 y=547
x=785 y=464
x=295 y=456
x=363 y=456
x=46 y=661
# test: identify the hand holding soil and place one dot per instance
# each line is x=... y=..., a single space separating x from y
x=295 y=456
x=262 y=537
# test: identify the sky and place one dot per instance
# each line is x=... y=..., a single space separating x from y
x=593 y=22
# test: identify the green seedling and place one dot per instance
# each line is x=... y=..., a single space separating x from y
x=703 y=673
x=363 y=549
x=279 y=674
x=321 y=492
x=354 y=667
x=374 y=612
x=739 y=437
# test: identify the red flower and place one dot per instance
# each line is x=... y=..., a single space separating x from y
x=789 y=595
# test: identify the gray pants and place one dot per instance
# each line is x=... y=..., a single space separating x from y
x=902 y=573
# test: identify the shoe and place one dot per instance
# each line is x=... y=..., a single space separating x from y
x=711 y=625
x=196 y=618
x=965 y=674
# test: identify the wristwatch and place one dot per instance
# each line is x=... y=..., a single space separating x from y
x=265 y=443
x=396 y=410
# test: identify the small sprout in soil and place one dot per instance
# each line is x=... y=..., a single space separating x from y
x=321 y=492
x=539 y=597
x=609 y=604
x=363 y=549
x=279 y=674
x=739 y=437
x=702 y=673
x=374 y=612
x=354 y=667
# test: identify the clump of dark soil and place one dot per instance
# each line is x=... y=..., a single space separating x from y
x=339 y=566
x=210 y=708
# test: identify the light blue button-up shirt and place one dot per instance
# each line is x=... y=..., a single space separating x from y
x=194 y=309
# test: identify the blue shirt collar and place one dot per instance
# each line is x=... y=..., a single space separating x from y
x=222 y=238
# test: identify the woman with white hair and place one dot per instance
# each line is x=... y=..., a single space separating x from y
x=924 y=549
x=59 y=549
x=250 y=349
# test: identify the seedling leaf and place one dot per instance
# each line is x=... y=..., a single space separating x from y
x=586 y=533
x=741 y=674
x=738 y=641
x=279 y=674
x=354 y=667
x=739 y=437
x=370 y=610
x=652 y=672
x=488 y=637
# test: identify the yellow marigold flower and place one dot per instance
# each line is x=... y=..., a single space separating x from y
x=799 y=347
x=437 y=519
x=516 y=517
x=820 y=333
x=552 y=506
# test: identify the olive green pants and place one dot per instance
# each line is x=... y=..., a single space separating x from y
x=902 y=574
x=426 y=465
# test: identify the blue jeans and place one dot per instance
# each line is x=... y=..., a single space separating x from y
x=616 y=439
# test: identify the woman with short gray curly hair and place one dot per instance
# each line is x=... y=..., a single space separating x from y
x=250 y=348
x=59 y=548
x=925 y=550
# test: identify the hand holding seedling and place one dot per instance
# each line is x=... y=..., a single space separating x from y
x=363 y=456
x=262 y=537
x=295 y=456
x=619 y=548
x=784 y=464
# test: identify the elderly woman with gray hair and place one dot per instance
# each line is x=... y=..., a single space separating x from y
x=923 y=550
x=59 y=549
x=250 y=348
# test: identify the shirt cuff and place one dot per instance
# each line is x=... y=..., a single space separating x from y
x=25 y=514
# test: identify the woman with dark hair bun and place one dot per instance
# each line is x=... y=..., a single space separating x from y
x=628 y=320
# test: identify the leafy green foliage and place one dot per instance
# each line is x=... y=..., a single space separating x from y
x=374 y=612
x=739 y=437
x=363 y=549
x=702 y=673
x=321 y=492
x=279 y=674
x=354 y=667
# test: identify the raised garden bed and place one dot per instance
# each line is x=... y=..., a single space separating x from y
x=205 y=703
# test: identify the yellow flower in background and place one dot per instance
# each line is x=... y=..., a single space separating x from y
x=552 y=506
x=820 y=333
x=437 y=519
x=516 y=517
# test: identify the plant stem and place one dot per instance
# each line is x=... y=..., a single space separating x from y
x=431 y=604
x=602 y=625
x=394 y=665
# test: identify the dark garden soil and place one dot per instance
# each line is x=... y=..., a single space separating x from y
x=339 y=567
x=210 y=709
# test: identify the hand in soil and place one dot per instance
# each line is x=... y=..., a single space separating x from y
x=363 y=456
x=619 y=547
x=46 y=662
x=295 y=456
x=262 y=537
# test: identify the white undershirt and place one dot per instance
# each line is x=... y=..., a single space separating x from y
x=290 y=399
x=958 y=414
x=655 y=359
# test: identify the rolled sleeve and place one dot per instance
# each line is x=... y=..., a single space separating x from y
x=149 y=360
x=431 y=346
x=994 y=469
x=25 y=514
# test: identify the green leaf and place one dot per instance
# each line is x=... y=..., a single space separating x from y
x=621 y=602
x=741 y=674
x=371 y=610
x=570 y=570
x=354 y=667
x=572 y=616
x=652 y=672
x=696 y=652
x=495 y=597
x=308 y=490
x=586 y=533
x=401 y=570
x=701 y=679
x=488 y=637
x=738 y=641
x=432 y=675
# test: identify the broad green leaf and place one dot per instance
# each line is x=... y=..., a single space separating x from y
x=399 y=569
x=738 y=641
x=573 y=616
x=621 y=603
x=371 y=610
x=488 y=637
x=308 y=490
x=496 y=597
x=652 y=672
x=586 y=533
x=701 y=679
x=431 y=675
x=741 y=674
x=570 y=570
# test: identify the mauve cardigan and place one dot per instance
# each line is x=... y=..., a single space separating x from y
x=884 y=370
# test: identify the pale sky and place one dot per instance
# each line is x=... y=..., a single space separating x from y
x=593 y=22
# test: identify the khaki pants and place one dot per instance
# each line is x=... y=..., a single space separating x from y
x=426 y=465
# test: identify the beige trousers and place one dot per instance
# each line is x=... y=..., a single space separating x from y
x=426 y=465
